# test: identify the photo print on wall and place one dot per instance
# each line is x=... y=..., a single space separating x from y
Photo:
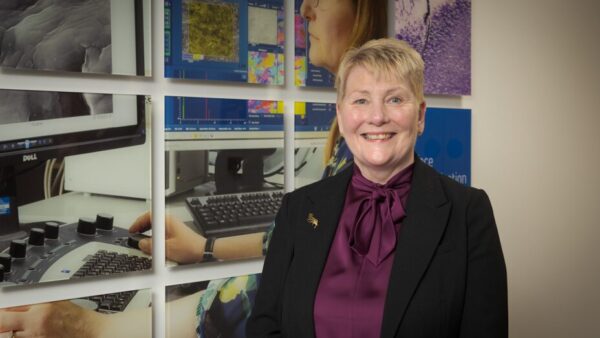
x=224 y=176
x=226 y=40
x=51 y=227
x=102 y=315
x=441 y=31
x=85 y=36
x=213 y=308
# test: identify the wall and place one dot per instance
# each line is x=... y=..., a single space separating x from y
x=536 y=89
x=536 y=152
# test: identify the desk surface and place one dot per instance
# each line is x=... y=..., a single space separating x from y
x=71 y=206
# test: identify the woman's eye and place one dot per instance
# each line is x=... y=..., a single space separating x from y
x=360 y=101
x=395 y=100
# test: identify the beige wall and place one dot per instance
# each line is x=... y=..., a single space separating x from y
x=536 y=150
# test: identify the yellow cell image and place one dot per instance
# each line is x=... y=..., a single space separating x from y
x=211 y=31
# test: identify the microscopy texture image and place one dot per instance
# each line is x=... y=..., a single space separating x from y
x=266 y=68
x=63 y=35
x=211 y=31
x=262 y=26
x=441 y=31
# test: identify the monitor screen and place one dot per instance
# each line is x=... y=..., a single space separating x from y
x=313 y=119
x=228 y=40
x=191 y=118
x=36 y=125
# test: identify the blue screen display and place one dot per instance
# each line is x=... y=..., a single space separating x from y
x=214 y=114
x=313 y=116
x=5 y=206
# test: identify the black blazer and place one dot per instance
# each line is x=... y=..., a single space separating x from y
x=448 y=278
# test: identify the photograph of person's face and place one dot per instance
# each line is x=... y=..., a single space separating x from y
x=379 y=118
x=330 y=25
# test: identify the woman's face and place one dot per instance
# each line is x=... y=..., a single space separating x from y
x=380 y=119
x=330 y=25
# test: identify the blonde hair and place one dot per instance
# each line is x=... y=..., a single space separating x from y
x=390 y=58
x=370 y=23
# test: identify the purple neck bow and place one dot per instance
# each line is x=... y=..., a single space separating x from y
x=380 y=207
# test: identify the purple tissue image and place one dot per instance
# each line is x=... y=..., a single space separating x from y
x=441 y=31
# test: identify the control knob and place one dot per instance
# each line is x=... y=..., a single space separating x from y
x=5 y=260
x=51 y=230
x=18 y=248
x=134 y=240
x=86 y=226
x=36 y=237
x=104 y=221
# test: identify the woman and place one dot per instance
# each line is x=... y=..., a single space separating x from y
x=388 y=247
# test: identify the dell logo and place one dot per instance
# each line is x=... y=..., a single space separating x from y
x=30 y=157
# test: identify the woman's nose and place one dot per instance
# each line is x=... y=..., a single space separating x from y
x=306 y=9
x=377 y=115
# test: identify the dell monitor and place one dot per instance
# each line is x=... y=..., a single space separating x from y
x=40 y=125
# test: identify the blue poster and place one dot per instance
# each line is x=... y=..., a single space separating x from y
x=446 y=142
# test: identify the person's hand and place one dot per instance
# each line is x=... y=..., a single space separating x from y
x=182 y=244
x=51 y=320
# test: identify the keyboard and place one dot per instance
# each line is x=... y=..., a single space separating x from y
x=117 y=302
x=53 y=251
x=103 y=263
x=234 y=214
x=70 y=251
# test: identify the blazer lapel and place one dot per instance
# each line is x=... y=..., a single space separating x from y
x=325 y=203
x=426 y=219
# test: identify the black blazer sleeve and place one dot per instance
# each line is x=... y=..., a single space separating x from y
x=485 y=312
x=265 y=320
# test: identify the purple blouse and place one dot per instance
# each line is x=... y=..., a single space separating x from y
x=352 y=290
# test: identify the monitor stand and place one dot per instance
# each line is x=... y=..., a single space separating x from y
x=240 y=170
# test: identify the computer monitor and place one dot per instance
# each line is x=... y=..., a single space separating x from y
x=199 y=118
x=40 y=125
x=240 y=139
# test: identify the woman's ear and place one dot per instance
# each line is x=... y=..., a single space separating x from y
x=338 y=115
x=421 y=121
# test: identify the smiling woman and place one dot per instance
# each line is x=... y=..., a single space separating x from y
x=400 y=250
x=380 y=111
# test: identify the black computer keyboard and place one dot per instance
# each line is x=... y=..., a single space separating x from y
x=234 y=214
x=113 y=302
x=104 y=263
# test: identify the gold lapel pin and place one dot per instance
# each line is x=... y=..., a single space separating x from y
x=311 y=219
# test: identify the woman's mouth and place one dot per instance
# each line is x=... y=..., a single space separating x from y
x=377 y=136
